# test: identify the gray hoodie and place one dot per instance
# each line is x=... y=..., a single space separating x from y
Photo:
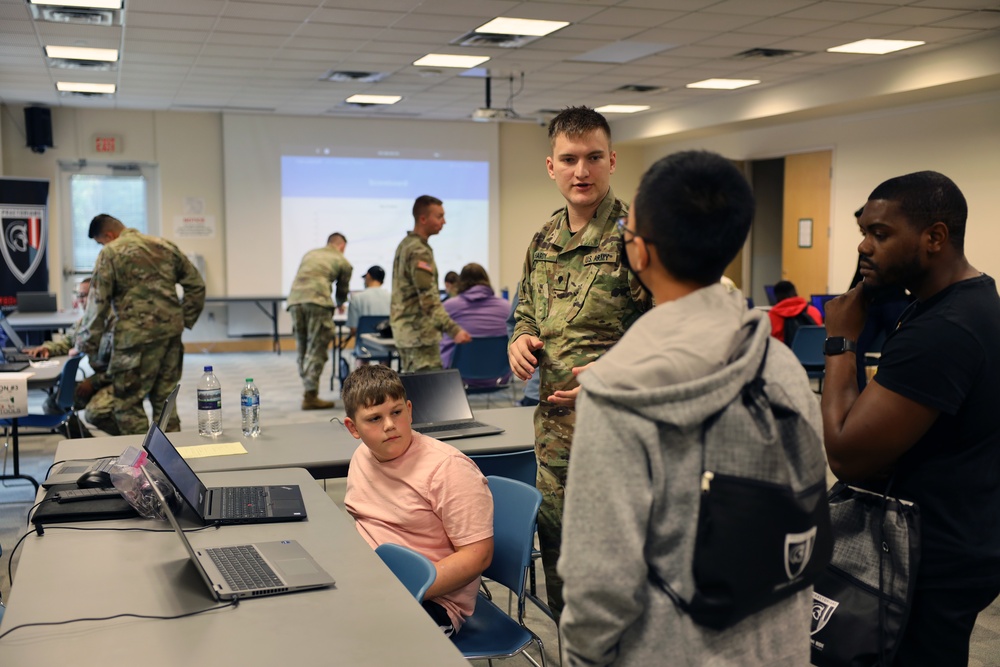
x=633 y=490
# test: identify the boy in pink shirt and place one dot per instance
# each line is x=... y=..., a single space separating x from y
x=409 y=489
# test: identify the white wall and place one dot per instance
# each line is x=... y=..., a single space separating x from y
x=959 y=137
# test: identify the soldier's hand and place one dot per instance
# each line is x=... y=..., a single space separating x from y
x=37 y=352
x=521 y=357
x=462 y=337
x=567 y=398
x=85 y=389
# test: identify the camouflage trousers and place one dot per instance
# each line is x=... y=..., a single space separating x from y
x=313 y=328
x=553 y=437
x=423 y=358
x=154 y=370
x=100 y=410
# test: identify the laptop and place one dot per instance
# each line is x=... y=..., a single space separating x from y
x=36 y=302
x=71 y=471
x=440 y=407
x=249 y=570
x=15 y=351
x=224 y=504
x=11 y=366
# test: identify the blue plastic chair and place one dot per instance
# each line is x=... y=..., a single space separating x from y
x=490 y=633
x=65 y=394
x=484 y=359
x=413 y=569
x=808 y=347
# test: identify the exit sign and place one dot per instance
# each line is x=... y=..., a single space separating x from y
x=107 y=143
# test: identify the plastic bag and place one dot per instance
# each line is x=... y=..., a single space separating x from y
x=127 y=477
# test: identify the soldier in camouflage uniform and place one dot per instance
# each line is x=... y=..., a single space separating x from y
x=134 y=287
x=93 y=394
x=417 y=316
x=311 y=307
x=575 y=300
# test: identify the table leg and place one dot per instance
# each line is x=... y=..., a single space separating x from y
x=17 y=459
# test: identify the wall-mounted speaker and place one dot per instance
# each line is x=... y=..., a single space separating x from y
x=38 y=128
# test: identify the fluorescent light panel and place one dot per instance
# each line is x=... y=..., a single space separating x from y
x=510 y=26
x=80 y=87
x=95 y=4
x=622 y=108
x=877 y=47
x=449 y=60
x=82 y=53
x=374 y=99
x=723 y=84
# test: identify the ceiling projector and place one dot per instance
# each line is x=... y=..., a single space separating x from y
x=486 y=113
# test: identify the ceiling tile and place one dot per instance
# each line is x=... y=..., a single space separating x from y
x=640 y=18
x=913 y=16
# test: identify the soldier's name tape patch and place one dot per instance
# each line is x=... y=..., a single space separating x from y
x=544 y=256
x=600 y=258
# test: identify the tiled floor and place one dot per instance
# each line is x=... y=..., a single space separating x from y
x=281 y=394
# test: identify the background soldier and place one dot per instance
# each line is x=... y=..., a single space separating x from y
x=311 y=307
x=135 y=279
x=417 y=316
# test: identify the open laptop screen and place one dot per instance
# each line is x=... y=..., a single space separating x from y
x=163 y=453
x=437 y=397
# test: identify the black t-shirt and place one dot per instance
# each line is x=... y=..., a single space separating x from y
x=945 y=354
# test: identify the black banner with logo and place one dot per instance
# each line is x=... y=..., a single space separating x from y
x=24 y=226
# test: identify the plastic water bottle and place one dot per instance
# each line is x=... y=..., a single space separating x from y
x=209 y=404
x=250 y=409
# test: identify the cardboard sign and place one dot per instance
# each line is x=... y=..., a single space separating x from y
x=14 y=395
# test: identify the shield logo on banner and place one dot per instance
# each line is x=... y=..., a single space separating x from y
x=798 y=551
x=24 y=240
x=823 y=608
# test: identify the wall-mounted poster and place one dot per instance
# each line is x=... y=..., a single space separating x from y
x=24 y=226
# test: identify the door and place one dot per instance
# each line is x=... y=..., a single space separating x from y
x=129 y=192
x=805 y=238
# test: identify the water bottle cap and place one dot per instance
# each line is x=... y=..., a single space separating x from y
x=208 y=369
x=249 y=380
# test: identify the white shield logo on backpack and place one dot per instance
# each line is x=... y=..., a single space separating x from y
x=798 y=551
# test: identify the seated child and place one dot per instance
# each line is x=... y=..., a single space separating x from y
x=409 y=489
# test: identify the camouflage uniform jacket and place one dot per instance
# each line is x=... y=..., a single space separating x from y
x=576 y=294
x=134 y=287
x=416 y=314
x=61 y=345
x=319 y=269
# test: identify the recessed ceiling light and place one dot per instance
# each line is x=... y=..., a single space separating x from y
x=373 y=99
x=82 y=53
x=507 y=26
x=79 y=87
x=621 y=108
x=877 y=47
x=95 y=4
x=723 y=84
x=449 y=60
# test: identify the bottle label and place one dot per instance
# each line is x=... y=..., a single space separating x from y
x=209 y=399
x=249 y=401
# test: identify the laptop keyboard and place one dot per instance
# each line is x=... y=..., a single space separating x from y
x=244 y=502
x=451 y=427
x=12 y=354
x=243 y=568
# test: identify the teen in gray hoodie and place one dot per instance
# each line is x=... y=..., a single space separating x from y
x=633 y=492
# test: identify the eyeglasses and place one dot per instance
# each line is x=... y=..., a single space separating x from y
x=621 y=224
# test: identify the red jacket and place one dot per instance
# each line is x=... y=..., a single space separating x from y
x=790 y=307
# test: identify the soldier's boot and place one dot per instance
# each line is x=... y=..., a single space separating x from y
x=310 y=401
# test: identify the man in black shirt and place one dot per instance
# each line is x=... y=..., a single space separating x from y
x=930 y=416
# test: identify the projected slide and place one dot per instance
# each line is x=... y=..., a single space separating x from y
x=370 y=201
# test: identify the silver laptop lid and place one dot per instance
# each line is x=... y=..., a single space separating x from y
x=438 y=397
x=165 y=507
x=15 y=340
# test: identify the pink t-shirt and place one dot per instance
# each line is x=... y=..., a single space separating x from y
x=431 y=499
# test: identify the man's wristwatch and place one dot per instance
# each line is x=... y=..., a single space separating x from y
x=838 y=345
